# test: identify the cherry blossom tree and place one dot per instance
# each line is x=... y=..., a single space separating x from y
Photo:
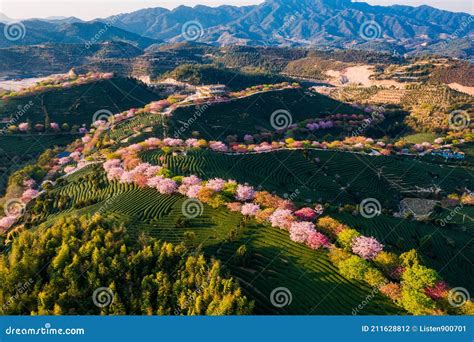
x=299 y=231
x=366 y=247
x=281 y=218
x=305 y=214
x=317 y=240
x=216 y=184
x=28 y=195
x=167 y=186
x=6 y=222
x=250 y=209
x=244 y=193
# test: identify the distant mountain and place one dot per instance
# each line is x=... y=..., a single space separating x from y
x=70 y=31
x=320 y=23
x=333 y=23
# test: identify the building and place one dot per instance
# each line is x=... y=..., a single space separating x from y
x=448 y=154
x=211 y=90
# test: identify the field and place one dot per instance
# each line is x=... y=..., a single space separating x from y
x=316 y=285
x=324 y=176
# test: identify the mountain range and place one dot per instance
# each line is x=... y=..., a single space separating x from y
x=321 y=23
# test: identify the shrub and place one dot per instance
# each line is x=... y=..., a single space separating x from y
x=419 y=277
x=345 y=238
x=410 y=258
x=417 y=302
x=392 y=291
x=330 y=226
x=375 y=278
x=337 y=255
x=387 y=262
x=354 y=267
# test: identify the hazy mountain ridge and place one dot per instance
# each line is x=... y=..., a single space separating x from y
x=68 y=31
x=321 y=23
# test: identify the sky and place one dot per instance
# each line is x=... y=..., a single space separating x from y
x=90 y=9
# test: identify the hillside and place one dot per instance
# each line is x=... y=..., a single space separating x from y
x=77 y=105
x=43 y=32
x=252 y=114
x=206 y=74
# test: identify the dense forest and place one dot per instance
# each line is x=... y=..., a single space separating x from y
x=90 y=265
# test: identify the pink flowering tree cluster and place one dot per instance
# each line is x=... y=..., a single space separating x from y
x=306 y=214
x=250 y=209
x=299 y=231
x=244 y=193
x=366 y=247
x=14 y=209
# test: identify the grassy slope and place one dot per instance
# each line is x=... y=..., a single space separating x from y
x=316 y=285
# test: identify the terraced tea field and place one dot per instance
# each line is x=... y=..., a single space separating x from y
x=252 y=114
x=449 y=249
x=325 y=176
x=274 y=261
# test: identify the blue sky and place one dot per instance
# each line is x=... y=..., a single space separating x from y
x=89 y=9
